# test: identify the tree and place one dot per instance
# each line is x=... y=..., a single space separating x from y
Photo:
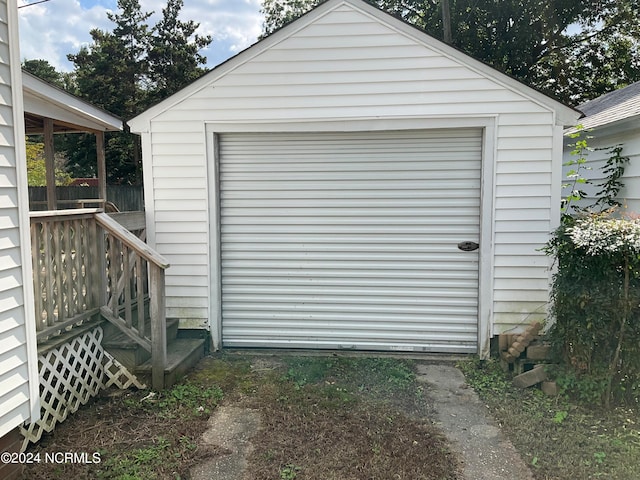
x=573 y=49
x=124 y=71
x=111 y=73
x=36 y=169
x=47 y=72
x=277 y=13
x=173 y=57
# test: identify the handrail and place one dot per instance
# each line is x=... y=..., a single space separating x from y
x=124 y=235
x=125 y=285
x=69 y=212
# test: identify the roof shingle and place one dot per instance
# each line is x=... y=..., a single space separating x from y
x=613 y=107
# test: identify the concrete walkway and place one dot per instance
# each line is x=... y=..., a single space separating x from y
x=230 y=428
x=462 y=417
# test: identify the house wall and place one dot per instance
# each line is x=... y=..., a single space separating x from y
x=626 y=134
x=345 y=68
x=18 y=363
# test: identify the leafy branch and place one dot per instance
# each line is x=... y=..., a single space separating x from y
x=579 y=152
x=614 y=170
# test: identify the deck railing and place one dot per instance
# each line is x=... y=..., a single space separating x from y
x=86 y=264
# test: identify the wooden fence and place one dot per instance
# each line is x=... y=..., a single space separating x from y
x=128 y=198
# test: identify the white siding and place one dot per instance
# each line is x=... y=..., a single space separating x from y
x=18 y=365
x=345 y=66
x=602 y=140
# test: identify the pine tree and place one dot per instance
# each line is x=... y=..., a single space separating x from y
x=173 y=56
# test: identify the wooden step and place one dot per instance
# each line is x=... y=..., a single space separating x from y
x=113 y=335
x=182 y=356
x=128 y=352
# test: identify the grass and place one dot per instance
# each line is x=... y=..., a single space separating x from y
x=138 y=435
x=558 y=438
x=334 y=417
x=338 y=418
x=323 y=417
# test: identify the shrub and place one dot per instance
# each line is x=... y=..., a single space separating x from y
x=596 y=304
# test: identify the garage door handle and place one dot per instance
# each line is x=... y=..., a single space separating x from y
x=468 y=246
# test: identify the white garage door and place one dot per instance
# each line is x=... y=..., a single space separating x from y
x=350 y=240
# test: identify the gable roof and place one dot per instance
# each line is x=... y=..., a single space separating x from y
x=565 y=115
x=613 y=107
x=68 y=112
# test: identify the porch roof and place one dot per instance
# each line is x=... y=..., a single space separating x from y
x=68 y=112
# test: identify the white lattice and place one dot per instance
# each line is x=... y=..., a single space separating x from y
x=70 y=375
x=118 y=375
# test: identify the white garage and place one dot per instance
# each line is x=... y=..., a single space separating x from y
x=350 y=182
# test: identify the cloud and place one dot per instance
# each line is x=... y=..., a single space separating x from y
x=52 y=30
x=232 y=29
x=56 y=28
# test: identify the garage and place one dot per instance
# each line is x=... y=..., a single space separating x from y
x=345 y=240
x=350 y=182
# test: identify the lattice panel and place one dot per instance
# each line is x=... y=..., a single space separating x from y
x=69 y=376
x=118 y=375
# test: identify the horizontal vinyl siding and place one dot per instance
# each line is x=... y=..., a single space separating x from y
x=631 y=191
x=630 y=194
x=181 y=219
x=523 y=189
x=372 y=72
x=362 y=74
x=14 y=371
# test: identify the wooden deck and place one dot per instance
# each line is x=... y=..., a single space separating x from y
x=88 y=265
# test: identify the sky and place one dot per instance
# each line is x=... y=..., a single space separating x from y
x=53 y=29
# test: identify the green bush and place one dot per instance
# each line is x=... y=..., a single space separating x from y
x=596 y=304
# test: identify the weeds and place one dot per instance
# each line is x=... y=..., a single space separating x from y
x=289 y=472
x=338 y=417
x=558 y=438
x=147 y=435
x=560 y=416
x=325 y=418
x=140 y=463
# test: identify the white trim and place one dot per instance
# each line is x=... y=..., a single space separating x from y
x=353 y=124
x=39 y=94
x=149 y=194
x=215 y=273
x=612 y=128
x=23 y=209
x=555 y=214
x=487 y=230
x=556 y=176
x=487 y=234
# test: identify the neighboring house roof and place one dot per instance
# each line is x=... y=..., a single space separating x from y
x=614 y=107
x=69 y=113
x=565 y=115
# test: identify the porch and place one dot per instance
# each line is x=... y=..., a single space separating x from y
x=92 y=265
x=99 y=289
x=90 y=269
